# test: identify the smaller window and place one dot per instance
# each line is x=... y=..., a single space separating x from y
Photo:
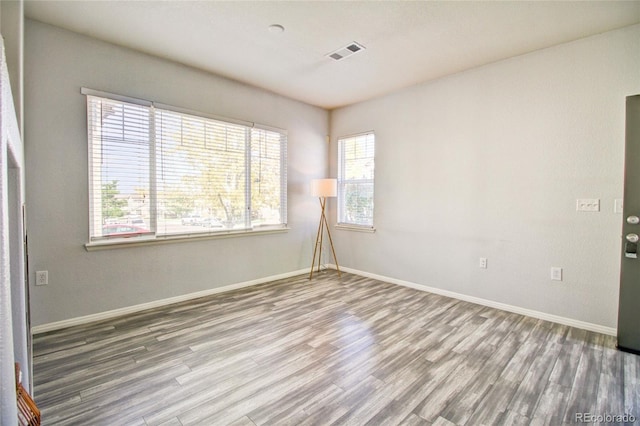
x=355 y=180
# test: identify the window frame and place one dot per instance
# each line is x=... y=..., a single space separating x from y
x=97 y=241
x=342 y=223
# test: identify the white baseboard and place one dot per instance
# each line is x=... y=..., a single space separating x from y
x=163 y=302
x=489 y=303
x=157 y=303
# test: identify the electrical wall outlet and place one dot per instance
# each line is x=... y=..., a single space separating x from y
x=483 y=263
x=556 y=274
x=588 y=205
x=42 y=277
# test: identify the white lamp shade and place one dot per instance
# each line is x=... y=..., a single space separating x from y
x=324 y=187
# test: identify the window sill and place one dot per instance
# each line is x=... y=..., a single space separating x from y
x=367 y=229
x=172 y=239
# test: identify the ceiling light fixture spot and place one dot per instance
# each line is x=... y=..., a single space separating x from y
x=276 y=28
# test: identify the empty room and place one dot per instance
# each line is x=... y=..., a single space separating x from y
x=320 y=212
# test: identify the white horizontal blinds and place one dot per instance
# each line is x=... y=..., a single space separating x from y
x=201 y=166
x=356 y=179
x=119 y=149
x=167 y=171
x=268 y=177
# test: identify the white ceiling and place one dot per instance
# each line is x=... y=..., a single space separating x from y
x=407 y=42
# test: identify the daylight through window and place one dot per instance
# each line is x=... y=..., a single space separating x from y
x=160 y=172
x=355 y=180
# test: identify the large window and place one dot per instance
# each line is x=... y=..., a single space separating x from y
x=158 y=171
x=355 y=180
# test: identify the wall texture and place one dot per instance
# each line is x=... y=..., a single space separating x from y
x=57 y=64
x=13 y=304
x=489 y=163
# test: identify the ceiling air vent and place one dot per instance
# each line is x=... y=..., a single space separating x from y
x=345 y=52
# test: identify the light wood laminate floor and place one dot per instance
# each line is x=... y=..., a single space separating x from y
x=344 y=351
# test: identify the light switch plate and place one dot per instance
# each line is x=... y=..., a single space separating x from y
x=617 y=205
x=588 y=205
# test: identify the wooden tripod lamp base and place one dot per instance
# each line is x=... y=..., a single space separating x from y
x=323 y=188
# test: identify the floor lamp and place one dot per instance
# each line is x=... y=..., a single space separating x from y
x=323 y=188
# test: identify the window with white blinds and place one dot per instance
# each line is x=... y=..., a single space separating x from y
x=356 y=155
x=155 y=171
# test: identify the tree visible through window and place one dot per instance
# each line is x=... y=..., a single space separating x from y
x=169 y=173
x=356 y=179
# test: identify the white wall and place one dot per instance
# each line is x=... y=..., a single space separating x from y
x=12 y=20
x=57 y=64
x=489 y=163
x=13 y=323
